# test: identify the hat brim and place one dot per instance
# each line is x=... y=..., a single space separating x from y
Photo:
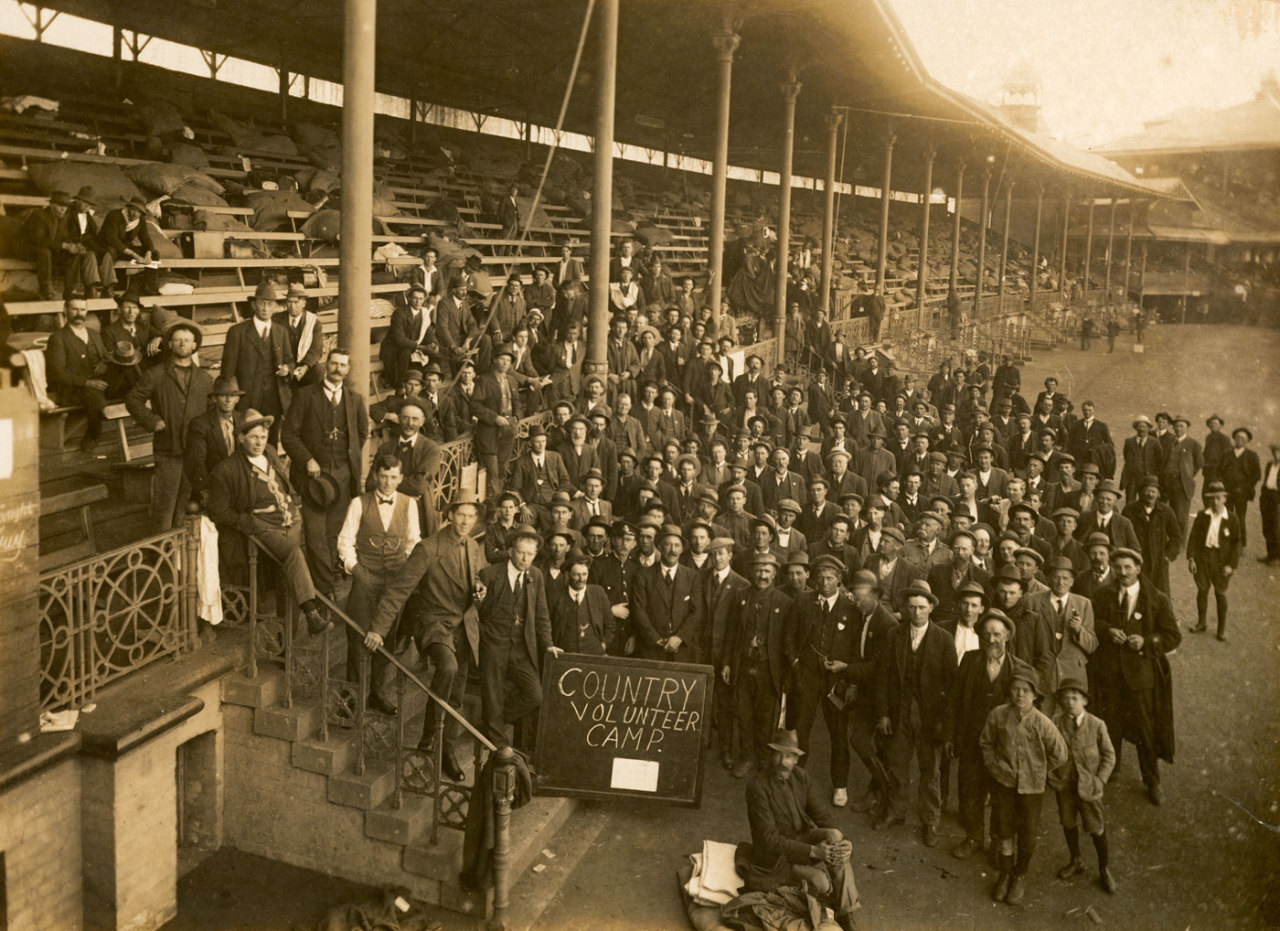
x=783 y=748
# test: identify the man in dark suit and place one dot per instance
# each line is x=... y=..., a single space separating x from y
x=539 y=473
x=824 y=622
x=945 y=580
x=324 y=436
x=409 y=338
x=569 y=268
x=1241 y=472
x=165 y=401
x=756 y=660
x=306 y=336
x=914 y=686
x=258 y=353
x=893 y=573
x=1069 y=619
x=1143 y=456
x=1089 y=439
x=1182 y=464
x=496 y=407
x=581 y=616
x=54 y=235
x=721 y=587
x=872 y=623
x=515 y=631
x=578 y=455
x=456 y=326
x=250 y=496
x=779 y=483
x=1136 y=628
x=77 y=365
x=1213 y=555
x=419 y=458
x=1105 y=519
x=1160 y=541
x=668 y=606
x=211 y=437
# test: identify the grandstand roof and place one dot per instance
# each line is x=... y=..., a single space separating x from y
x=512 y=57
x=1254 y=125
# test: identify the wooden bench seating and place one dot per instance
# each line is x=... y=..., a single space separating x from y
x=66 y=521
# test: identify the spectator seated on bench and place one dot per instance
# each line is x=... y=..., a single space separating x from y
x=77 y=368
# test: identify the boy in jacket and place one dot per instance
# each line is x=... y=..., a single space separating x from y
x=1079 y=782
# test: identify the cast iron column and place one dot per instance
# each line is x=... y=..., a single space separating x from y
x=791 y=90
x=982 y=242
x=597 y=360
x=1004 y=243
x=955 y=229
x=1111 y=239
x=356 y=271
x=1088 y=253
x=1128 y=249
x=726 y=43
x=1035 y=250
x=834 y=119
x=1062 y=249
x=922 y=255
x=886 y=191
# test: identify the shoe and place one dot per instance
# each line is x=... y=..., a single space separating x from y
x=427 y=744
x=380 y=705
x=885 y=821
x=1107 y=881
x=840 y=798
x=867 y=802
x=1017 y=889
x=741 y=769
x=1074 y=868
x=317 y=623
x=1222 y=638
x=1000 y=891
x=726 y=761
x=452 y=768
x=1198 y=629
x=930 y=836
x=962 y=850
x=1155 y=795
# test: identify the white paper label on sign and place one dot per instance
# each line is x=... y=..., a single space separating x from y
x=635 y=775
x=6 y=448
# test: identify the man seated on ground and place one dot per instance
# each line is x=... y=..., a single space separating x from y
x=250 y=496
x=792 y=834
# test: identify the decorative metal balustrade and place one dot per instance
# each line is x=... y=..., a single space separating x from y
x=104 y=617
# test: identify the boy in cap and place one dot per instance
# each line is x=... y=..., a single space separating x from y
x=1213 y=553
x=1079 y=782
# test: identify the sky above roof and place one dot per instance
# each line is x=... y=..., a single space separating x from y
x=1105 y=66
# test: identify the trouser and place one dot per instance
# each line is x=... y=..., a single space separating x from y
x=451 y=664
x=1269 y=504
x=80 y=272
x=321 y=529
x=725 y=710
x=170 y=493
x=1015 y=816
x=757 y=703
x=120 y=379
x=833 y=885
x=1238 y=505
x=1130 y=715
x=973 y=786
x=911 y=740
x=367 y=587
x=93 y=401
x=870 y=747
x=495 y=461
x=810 y=694
x=509 y=685
x=1180 y=502
x=285 y=546
x=1210 y=574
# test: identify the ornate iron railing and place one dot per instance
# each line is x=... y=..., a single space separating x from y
x=458 y=465
x=104 y=617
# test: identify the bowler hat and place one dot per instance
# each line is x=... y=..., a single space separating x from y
x=1060 y=562
x=524 y=532
x=253 y=419
x=536 y=429
x=798 y=558
x=919 y=589
x=1009 y=574
x=267 y=291
x=60 y=199
x=1073 y=685
x=226 y=385
x=321 y=491
x=785 y=741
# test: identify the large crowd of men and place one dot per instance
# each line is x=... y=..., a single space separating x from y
x=945 y=573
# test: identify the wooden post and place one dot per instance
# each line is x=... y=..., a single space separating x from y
x=1128 y=249
x=726 y=43
x=1035 y=251
x=982 y=242
x=1111 y=239
x=597 y=360
x=1088 y=252
x=504 y=784
x=834 y=120
x=790 y=90
x=922 y=256
x=955 y=228
x=1004 y=243
x=886 y=197
x=1062 y=247
x=1186 y=281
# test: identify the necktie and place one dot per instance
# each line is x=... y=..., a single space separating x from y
x=228 y=435
x=405 y=447
x=519 y=592
x=336 y=399
x=1124 y=605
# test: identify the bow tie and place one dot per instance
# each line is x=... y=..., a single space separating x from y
x=405 y=445
x=382 y=500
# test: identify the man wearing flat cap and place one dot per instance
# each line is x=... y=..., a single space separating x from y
x=1213 y=555
x=668 y=605
x=324 y=435
x=756 y=659
x=893 y=573
x=258 y=353
x=1143 y=456
x=1133 y=682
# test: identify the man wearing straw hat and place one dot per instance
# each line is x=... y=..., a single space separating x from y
x=165 y=401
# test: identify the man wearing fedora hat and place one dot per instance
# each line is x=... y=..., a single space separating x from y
x=1241 y=472
x=128 y=326
x=496 y=409
x=125 y=235
x=211 y=436
x=1069 y=619
x=1156 y=527
x=667 y=609
x=258 y=353
x=250 y=497
x=893 y=573
x=538 y=473
x=793 y=836
x=914 y=686
x=56 y=242
x=419 y=458
x=1104 y=518
x=1182 y=464
x=1009 y=586
x=165 y=401
x=324 y=435
x=1213 y=555
x=1143 y=456
x=410 y=335
x=306 y=336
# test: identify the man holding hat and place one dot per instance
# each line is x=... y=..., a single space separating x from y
x=793 y=837
x=128 y=337
x=1241 y=472
x=1156 y=527
x=1131 y=677
x=914 y=685
x=1213 y=555
x=324 y=435
x=668 y=606
x=165 y=401
x=258 y=353
x=1182 y=464
x=756 y=658
x=250 y=496
x=1143 y=456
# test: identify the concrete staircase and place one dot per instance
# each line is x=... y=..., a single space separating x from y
x=294 y=798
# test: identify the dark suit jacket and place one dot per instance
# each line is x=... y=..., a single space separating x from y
x=435 y=571
x=524 y=477
x=778 y=827
x=903 y=574
x=159 y=395
x=1152 y=617
x=773 y=488
x=1139 y=463
x=303 y=433
x=486 y=402
x=231 y=492
x=205 y=448
x=662 y=431
x=937 y=656
x=254 y=365
x=779 y=646
x=418 y=465
x=564 y=616
x=1182 y=463
x=315 y=350
x=968 y=709
x=715 y=631
x=659 y=612
x=1228 y=539
x=578 y=466
x=1241 y=474
x=71 y=363
x=1091 y=443
x=537 y=619
x=842 y=646
x=941 y=582
x=1119 y=529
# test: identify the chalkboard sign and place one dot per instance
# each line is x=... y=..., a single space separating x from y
x=612 y=726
